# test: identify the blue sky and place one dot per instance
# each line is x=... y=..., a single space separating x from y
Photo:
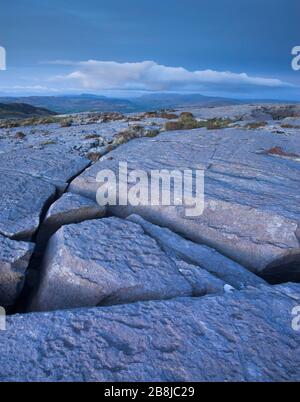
x=237 y=48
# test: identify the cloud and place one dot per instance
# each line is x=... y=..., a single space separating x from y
x=149 y=76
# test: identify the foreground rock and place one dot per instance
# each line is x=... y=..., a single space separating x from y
x=70 y=208
x=200 y=255
x=252 y=194
x=14 y=260
x=243 y=336
x=23 y=199
x=112 y=261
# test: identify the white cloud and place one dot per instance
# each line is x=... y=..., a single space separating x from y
x=149 y=76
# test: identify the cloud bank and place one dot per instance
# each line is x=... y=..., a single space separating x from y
x=149 y=76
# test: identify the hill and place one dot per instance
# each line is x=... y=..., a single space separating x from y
x=22 y=111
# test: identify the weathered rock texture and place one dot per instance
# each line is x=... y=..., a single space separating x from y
x=252 y=195
x=243 y=336
x=52 y=166
x=14 y=260
x=200 y=255
x=70 y=208
x=22 y=201
x=111 y=261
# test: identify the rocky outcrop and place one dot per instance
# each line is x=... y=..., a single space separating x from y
x=112 y=261
x=252 y=198
x=14 y=261
x=241 y=336
x=155 y=294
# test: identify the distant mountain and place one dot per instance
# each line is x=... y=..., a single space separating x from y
x=22 y=111
x=163 y=100
x=95 y=103
x=75 y=103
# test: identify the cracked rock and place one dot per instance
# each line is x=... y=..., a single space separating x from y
x=112 y=261
x=201 y=255
x=252 y=199
x=23 y=199
x=70 y=208
x=52 y=166
x=240 y=336
x=14 y=260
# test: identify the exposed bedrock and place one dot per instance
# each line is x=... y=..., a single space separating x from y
x=70 y=208
x=112 y=261
x=51 y=166
x=14 y=260
x=241 y=336
x=252 y=195
x=201 y=255
x=23 y=199
x=29 y=182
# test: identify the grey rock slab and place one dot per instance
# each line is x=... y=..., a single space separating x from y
x=229 y=271
x=241 y=336
x=252 y=198
x=106 y=261
x=14 y=261
x=70 y=208
x=51 y=165
x=22 y=201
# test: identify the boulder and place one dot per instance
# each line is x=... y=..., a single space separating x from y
x=14 y=260
x=241 y=336
x=112 y=261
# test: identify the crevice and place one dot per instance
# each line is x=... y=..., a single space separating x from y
x=32 y=276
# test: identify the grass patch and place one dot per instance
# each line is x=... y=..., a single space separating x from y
x=49 y=142
x=91 y=137
x=280 y=152
x=255 y=125
x=187 y=121
x=290 y=126
x=34 y=121
x=66 y=123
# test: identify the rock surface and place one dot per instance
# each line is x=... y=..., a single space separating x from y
x=112 y=261
x=51 y=166
x=252 y=196
x=70 y=208
x=243 y=336
x=22 y=201
x=203 y=256
x=14 y=260
x=171 y=302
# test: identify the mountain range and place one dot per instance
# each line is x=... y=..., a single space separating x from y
x=95 y=103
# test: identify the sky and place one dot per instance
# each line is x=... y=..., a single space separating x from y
x=230 y=48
